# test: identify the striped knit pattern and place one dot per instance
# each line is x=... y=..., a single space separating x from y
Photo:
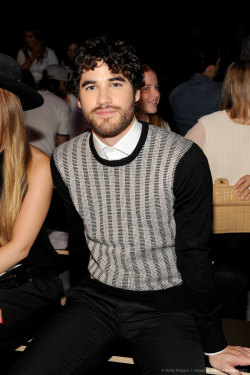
x=227 y=147
x=127 y=210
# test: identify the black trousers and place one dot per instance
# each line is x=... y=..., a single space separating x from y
x=83 y=335
x=25 y=308
x=231 y=255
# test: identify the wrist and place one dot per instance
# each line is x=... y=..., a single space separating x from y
x=211 y=354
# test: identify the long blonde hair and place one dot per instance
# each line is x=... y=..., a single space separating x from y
x=16 y=161
x=236 y=90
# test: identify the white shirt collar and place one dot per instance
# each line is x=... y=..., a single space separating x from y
x=123 y=148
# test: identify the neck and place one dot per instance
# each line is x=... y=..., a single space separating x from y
x=141 y=116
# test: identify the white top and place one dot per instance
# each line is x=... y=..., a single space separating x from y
x=225 y=144
x=46 y=122
x=37 y=67
x=123 y=148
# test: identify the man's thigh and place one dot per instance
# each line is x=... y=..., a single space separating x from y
x=166 y=343
x=77 y=338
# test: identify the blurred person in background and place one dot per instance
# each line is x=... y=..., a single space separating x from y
x=200 y=94
x=149 y=100
x=48 y=126
x=35 y=55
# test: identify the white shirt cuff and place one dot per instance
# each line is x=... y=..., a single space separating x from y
x=215 y=353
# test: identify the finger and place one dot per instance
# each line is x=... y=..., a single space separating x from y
x=242 y=186
x=243 y=190
x=231 y=370
x=242 y=180
x=245 y=195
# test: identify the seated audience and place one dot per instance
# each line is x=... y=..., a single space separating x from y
x=224 y=137
x=35 y=55
x=48 y=126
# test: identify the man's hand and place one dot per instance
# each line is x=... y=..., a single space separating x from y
x=243 y=187
x=232 y=356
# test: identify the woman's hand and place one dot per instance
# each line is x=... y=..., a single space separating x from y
x=243 y=187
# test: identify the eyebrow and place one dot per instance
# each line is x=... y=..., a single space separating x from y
x=91 y=82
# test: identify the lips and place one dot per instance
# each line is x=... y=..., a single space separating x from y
x=155 y=102
x=105 y=112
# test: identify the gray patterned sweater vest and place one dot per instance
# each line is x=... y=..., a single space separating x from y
x=127 y=208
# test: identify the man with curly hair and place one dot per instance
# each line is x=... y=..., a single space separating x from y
x=138 y=201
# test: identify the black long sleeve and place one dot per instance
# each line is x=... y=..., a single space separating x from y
x=193 y=216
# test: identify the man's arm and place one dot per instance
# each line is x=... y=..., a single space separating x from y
x=78 y=249
x=193 y=216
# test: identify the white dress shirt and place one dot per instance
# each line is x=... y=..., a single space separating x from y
x=123 y=148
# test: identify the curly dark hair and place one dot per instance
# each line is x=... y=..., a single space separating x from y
x=119 y=55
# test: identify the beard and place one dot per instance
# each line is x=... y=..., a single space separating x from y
x=110 y=126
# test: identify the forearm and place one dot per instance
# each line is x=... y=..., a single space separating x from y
x=12 y=253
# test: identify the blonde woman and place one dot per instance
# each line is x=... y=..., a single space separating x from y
x=224 y=137
x=29 y=284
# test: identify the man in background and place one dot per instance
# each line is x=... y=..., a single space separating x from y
x=200 y=94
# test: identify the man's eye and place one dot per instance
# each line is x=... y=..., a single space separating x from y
x=89 y=88
x=116 y=84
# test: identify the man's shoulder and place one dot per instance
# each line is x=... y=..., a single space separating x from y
x=196 y=84
x=170 y=140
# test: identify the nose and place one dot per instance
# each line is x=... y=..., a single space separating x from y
x=156 y=93
x=103 y=97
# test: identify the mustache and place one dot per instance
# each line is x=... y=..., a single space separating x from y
x=100 y=107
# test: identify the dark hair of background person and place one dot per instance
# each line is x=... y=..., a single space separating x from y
x=200 y=58
x=119 y=55
x=63 y=55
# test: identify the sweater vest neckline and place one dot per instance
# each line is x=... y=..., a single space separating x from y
x=128 y=159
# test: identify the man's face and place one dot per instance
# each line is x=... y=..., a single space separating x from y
x=107 y=101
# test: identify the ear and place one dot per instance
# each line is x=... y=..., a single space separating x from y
x=137 y=95
x=79 y=103
x=210 y=71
